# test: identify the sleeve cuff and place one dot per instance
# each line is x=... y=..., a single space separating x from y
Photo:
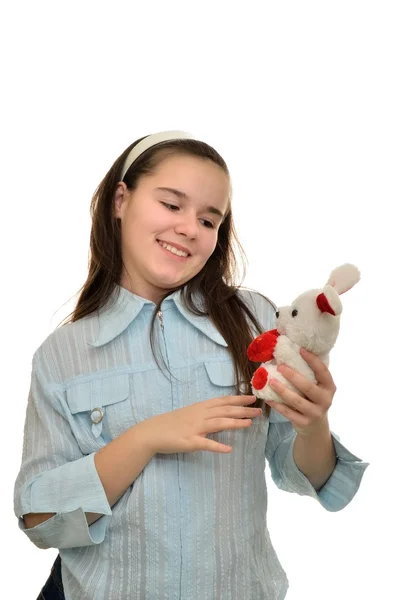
x=70 y=491
x=73 y=485
x=67 y=530
x=340 y=488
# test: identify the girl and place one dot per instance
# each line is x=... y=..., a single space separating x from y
x=144 y=452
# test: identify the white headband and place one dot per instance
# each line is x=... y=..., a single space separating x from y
x=151 y=140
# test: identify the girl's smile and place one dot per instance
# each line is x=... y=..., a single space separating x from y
x=176 y=250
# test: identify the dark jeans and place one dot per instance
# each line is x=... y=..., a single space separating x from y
x=53 y=588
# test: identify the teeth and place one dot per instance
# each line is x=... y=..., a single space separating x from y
x=173 y=249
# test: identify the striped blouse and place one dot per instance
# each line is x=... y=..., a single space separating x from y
x=192 y=526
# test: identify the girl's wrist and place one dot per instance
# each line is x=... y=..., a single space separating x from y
x=143 y=437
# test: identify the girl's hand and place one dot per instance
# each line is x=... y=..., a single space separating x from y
x=308 y=414
x=185 y=429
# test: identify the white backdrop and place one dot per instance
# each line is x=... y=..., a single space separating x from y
x=302 y=99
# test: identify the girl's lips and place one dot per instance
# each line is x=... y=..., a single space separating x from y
x=177 y=246
x=171 y=254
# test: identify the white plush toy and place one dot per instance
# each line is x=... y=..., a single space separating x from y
x=312 y=321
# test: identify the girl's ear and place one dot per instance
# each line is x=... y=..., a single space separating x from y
x=120 y=196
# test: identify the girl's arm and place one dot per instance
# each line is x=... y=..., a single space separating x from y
x=118 y=465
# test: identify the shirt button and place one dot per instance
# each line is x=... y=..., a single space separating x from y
x=96 y=415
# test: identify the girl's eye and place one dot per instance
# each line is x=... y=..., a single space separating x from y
x=170 y=206
x=207 y=224
x=174 y=208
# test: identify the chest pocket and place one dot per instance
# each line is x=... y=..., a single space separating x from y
x=99 y=409
x=221 y=375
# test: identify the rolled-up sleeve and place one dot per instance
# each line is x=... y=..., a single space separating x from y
x=338 y=490
x=55 y=476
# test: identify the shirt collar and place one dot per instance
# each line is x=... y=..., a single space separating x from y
x=123 y=307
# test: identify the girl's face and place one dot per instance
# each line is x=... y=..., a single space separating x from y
x=167 y=235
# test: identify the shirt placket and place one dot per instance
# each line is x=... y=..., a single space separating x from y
x=160 y=316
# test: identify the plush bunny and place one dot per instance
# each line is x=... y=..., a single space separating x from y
x=311 y=321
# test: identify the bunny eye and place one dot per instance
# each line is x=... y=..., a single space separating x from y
x=277 y=314
x=295 y=312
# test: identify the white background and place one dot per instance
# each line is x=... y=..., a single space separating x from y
x=302 y=99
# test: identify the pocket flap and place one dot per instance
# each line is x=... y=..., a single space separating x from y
x=221 y=373
x=84 y=396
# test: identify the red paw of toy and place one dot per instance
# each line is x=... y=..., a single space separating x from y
x=260 y=378
x=262 y=348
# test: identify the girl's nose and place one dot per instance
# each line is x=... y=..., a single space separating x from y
x=188 y=226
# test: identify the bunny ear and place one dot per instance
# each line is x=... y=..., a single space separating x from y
x=343 y=278
x=328 y=301
x=323 y=304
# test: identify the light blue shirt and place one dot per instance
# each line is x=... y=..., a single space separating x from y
x=192 y=526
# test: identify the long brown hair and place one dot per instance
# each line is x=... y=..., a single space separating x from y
x=217 y=282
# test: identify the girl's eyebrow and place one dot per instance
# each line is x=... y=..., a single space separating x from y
x=184 y=196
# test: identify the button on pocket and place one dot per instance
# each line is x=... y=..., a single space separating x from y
x=93 y=402
x=96 y=415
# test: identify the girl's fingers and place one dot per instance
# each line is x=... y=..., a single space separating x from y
x=213 y=446
x=317 y=394
x=295 y=401
x=222 y=424
x=224 y=400
x=296 y=418
x=288 y=396
x=304 y=385
x=321 y=371
x=236 y=412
